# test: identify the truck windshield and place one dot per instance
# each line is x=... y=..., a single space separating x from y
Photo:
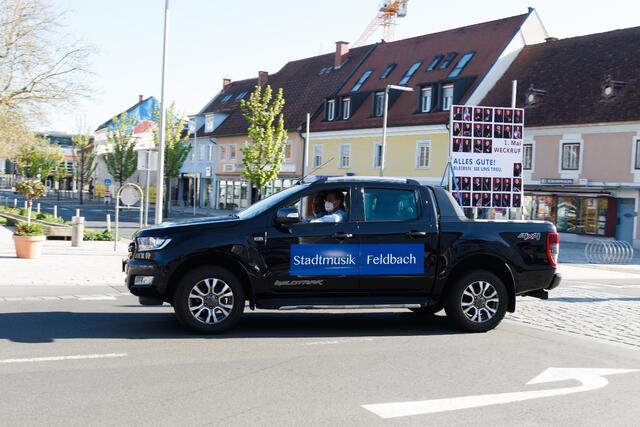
x=271 y=201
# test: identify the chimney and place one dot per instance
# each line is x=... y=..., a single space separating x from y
x=342 y=51
x=263 y=76
x=225 y=82
x=140 y=98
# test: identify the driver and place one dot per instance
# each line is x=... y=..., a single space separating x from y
x=334 y=205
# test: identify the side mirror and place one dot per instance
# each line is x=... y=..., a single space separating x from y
x=287 y=216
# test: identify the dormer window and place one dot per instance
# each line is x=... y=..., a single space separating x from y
x=378 y=104
x=534 y=96
x=425 y=99
x=447 y=97
x=331 y=109
x=611 y=87
x=346 y=108
x=208 y=123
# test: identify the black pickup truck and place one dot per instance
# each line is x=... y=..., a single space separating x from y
x=397 y=244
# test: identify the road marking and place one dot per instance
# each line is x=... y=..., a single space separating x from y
x=590 y=379
x=59 y=358
x=96 y=298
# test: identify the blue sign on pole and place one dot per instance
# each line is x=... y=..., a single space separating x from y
x=107 y=182
x=354 y=259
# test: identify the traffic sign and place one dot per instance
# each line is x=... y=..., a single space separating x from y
x=107 y=182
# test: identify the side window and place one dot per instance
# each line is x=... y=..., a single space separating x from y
x=383 y=204
x=313 y=206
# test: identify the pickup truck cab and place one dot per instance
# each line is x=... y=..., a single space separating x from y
x=395 y=244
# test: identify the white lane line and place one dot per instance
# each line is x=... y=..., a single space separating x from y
x=59 y=358
x=96 y=298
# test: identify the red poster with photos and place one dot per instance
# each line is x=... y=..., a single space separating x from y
x=485 y=146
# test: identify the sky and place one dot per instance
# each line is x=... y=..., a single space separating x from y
x=212 y=39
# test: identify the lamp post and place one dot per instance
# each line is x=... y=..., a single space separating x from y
x=161 y=131
x=383 y=154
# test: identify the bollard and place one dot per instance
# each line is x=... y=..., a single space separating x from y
x=55 y=211
x=77 y=212
x=109 y=222
x=25 y=204
x=38 y=208
x=15 y=203
x=77 y=230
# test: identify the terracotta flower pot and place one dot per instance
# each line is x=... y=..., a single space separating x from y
x=28 y=246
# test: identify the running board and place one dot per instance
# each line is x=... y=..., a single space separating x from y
x=343 y=302
x=347 y=307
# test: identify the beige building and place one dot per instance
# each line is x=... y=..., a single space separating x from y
x=582 y=133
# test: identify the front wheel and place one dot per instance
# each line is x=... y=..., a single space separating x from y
x=477 y=301
x=209 y=300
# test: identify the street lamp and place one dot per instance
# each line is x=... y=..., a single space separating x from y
x=161 y=131
x=383 y=156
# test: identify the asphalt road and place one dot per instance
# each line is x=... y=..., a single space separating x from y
x=93 y=356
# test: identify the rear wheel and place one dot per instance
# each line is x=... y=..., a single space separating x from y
x=477 y=301
x=209 y=300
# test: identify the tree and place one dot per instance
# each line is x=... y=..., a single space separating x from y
x=122 y=161
x=59 y=175
x=35 y=162
x=86 y=159
x=32 y=189
x=176 y=146
x=263 y=154
x=36 y=158
x=39 y=65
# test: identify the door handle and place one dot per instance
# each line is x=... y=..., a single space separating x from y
x=341 y=236
x=414 y=233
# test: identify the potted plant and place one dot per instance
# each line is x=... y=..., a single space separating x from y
x=28 y=239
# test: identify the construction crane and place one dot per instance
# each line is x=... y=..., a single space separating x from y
x=386 y=17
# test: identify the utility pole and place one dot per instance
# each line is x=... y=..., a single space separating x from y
x=163 y=113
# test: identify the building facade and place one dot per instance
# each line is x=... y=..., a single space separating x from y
x=581 y=148
x=437 y=71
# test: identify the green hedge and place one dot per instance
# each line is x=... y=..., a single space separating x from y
x=103 y=235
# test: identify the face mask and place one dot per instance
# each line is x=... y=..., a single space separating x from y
x=328 y=206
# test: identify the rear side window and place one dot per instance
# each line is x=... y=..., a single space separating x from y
x=384 y=204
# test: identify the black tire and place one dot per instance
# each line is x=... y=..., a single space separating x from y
x=429 y=310
x=220 y=282
x=146 y=301
x=483 y=313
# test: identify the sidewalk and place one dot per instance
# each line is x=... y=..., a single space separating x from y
x=92 y=264
x=573 y=253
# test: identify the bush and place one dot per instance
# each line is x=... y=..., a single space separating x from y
x=96 y=235
x=50 y=218
x=3 y=220
x=24 y=229
x=23 y=212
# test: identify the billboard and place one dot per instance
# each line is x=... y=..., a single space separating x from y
x=485 y=148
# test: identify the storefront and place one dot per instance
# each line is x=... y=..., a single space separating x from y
x=234 y=193
x=577 y=213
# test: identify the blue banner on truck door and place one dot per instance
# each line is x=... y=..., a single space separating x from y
x=353 y=259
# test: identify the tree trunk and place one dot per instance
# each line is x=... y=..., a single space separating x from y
x=29 y=204
x=81 y=186
x=256 y=194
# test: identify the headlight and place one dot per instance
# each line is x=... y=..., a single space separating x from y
x=151 y=243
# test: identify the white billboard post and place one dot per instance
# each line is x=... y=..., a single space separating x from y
x=129 y=194
x=485 y=148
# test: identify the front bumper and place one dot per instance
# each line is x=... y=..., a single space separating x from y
x=137 y=267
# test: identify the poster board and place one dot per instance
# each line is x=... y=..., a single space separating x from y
x=485 y=148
